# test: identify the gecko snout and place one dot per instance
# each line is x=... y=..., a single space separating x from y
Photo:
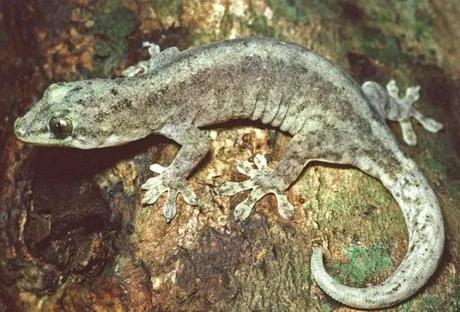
x=18 y=128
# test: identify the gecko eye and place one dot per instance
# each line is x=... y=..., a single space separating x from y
x=61 y=127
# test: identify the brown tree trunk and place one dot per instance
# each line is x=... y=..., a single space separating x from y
x=73 y=234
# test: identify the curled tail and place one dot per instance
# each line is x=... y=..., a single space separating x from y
x=426 y=240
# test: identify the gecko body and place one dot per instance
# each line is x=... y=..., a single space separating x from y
x=329 y=117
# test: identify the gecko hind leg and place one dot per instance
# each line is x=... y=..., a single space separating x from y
x=264 y=180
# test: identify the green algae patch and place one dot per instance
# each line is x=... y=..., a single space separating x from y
x=445 y=295
x=416 y=36
x=364 y=264
x=292 y=10
x=167 y=8
x=261 y=26
x=168 y=12
x=431 y=303
x=346 y=197
x=116 y=23
x=381 y=46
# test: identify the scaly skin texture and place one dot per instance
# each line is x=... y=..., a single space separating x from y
x=286 y=86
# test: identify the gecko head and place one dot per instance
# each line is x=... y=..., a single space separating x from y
x=82 y=114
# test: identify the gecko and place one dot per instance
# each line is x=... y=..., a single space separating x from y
x=330 y=118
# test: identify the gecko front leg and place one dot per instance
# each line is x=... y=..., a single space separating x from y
x=156 y=60
x=173 y=179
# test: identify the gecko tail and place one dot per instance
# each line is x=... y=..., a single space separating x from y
x=426 y=242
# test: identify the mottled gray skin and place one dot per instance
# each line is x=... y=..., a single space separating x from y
x=283 y=85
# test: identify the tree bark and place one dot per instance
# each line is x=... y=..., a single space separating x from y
x=74 y=235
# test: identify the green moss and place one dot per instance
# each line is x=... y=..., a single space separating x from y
x=422 y=27
x=167 y=8
x=430 y=303
x=436 y=166
x=435 y=159
x=447 y=301
x=379 y=195
x=364 y=263
x=110 y=5
x=383 y=16
x=260 y=25
x=115 y=24
x=454 y=300
x=381 y=46
x=325 y=308
x=292 y=10
x=406 y=307
x=416 y=21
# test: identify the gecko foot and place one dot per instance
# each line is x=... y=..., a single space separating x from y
x=406 y=110
x=156 y=60
x=262 y=181
x=167 y=182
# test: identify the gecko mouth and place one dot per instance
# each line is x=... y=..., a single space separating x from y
x=40 y=142
x=18 y=129
x=23 y=134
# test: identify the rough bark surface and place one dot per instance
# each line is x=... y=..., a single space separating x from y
x=73 y=234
